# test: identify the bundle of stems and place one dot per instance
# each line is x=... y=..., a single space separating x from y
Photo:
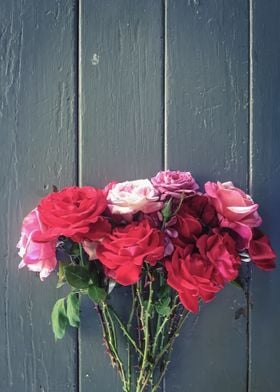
x=155 y=320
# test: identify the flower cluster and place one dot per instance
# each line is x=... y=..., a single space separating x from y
x=198 y=239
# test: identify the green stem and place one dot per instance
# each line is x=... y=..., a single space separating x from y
x=172 y=319
x=139 y=293
x=105 y=337
x=160 y=329
x=81 y=254
x=125 y=332
x=142 y=379
x=111 y=323
x=167 y=350
x=128 y=327
x=132 y=310
x=171 y=340
x=112 y=348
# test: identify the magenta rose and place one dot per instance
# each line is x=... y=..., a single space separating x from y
x=38 y=257
x=129 y=197
x=174 y=183
x=235 y=208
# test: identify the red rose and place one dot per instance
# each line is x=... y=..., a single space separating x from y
x=124 y=251
x=73 y=212
x=194 y=214
x=220 y=250
x=192 y=277
x=200 y=207
x=187 y=226
x=261 y=252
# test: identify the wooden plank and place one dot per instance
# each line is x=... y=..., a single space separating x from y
x=265 y=161
x=121 y=124
x=207 y=128
x=37 y=74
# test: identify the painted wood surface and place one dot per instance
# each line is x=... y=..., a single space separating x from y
x=265 y=176
x=37 y=116
x=207 y=132
x=99 y=90
x=121 y=125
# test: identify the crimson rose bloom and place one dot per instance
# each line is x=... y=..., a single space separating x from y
x=188 y=227
x=200 y=207
x=195 y=213
x=220 y=250
x=124 y=251
x=192 y=277
x=261 y=252
x=73 y=212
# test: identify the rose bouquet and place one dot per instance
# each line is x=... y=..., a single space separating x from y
x=173 y=245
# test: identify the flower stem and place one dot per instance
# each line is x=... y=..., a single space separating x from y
x=128 y=328
x=175 y=333
x=108 y=334
x=81 y=254
x=161 y=327
x=142 y=380
x=125 y=331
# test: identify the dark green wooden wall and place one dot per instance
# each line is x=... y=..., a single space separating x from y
x=94 y=90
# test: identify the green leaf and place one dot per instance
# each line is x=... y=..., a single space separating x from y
x=59 y=319
x=163 y=305
x=166 y=211
x=180 y=204
x=163 y=309
x=75 y=250
x=61 y=274
x=94 y=277
x=237 y=283
x=165 y=301
x=73 y=309
x=96 y=294
x=164 y=292
x=77 y=276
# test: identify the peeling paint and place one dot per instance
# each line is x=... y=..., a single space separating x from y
x=95 y=59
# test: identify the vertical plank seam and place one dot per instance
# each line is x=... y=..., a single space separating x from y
x=250 y=186
x=78 y=156
x=165 y=103
x=79 y=92
x=165 y=90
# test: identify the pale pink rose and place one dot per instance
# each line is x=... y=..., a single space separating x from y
x=90 y=249
x=129 y=197
x=38 y=257
x=174 y=183
x=235 y=208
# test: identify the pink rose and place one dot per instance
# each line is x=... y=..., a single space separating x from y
x=90 y=248
x=174 y=183
x=129 y=197
x=38 y=257
x=235 y=208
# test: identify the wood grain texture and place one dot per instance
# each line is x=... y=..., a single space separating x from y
x=121 y=125
x=37 y=150
x=265 y=160
x=207 y=133
x=121 y=89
